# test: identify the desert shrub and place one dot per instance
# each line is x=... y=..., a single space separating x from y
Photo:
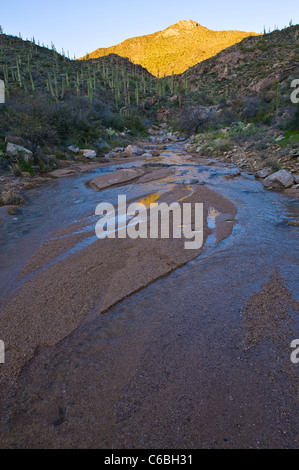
x=44 y=122
x=222 y=145
x=293 y=122
x=135 y=123
x=257 y=110
x=252 y=106
x=194 y=120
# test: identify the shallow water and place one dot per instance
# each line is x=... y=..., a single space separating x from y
x=164 y=368
x=262 y=215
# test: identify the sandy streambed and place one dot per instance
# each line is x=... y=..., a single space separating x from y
x=60 y=288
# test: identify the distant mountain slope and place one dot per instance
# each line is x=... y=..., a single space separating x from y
x=175 y=49
x=253 y=66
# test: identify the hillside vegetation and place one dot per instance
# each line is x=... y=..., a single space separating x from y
x=249 y=67
x=52 y=101
x=238 y=104
x=175 y=49
x=237 y=99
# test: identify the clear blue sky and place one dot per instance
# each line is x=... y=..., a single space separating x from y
x=83 y=26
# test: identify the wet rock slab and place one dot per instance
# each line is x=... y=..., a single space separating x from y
x=116 y=177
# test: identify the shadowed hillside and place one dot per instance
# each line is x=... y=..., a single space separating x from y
x=175 y=49
x=249 y=67
x=237 y=106
x=52 y=101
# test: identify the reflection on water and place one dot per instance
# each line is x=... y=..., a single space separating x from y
x=213 y=213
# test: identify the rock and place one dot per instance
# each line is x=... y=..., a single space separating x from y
x=113 y=155
x=173 y=99
x=198 y=149
x=296 y=179
x=103 y=146
x=188 y=147
x=249 y=146
x=294 y=223
x=12 y=210
x=187 y=181
x=87 y=153
x=133 y=151
x=116 y=177
x=11 y=197
x=74 y=149
x=146 y=155
x=279 y=138
x=154 y=100
x=62 y=172
x=236 y=172
x=12 y=139
x=14 y=150
x=264 y=173
x=279 y=179
x=163 y=114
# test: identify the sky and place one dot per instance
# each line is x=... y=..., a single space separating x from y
x=83 y=26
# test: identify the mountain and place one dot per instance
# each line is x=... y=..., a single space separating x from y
x=254 y=66
x=175 y=49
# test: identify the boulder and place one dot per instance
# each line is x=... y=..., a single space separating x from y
x=11 y=197
x=87 y=153
x=264 y=173
x=280 y=179
x=74 y=149
x=294 y=223
x=62 y=172
x=133 y=151
x=235 y=172
x=13 y=139
x=14 y=150
x=116 y=177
